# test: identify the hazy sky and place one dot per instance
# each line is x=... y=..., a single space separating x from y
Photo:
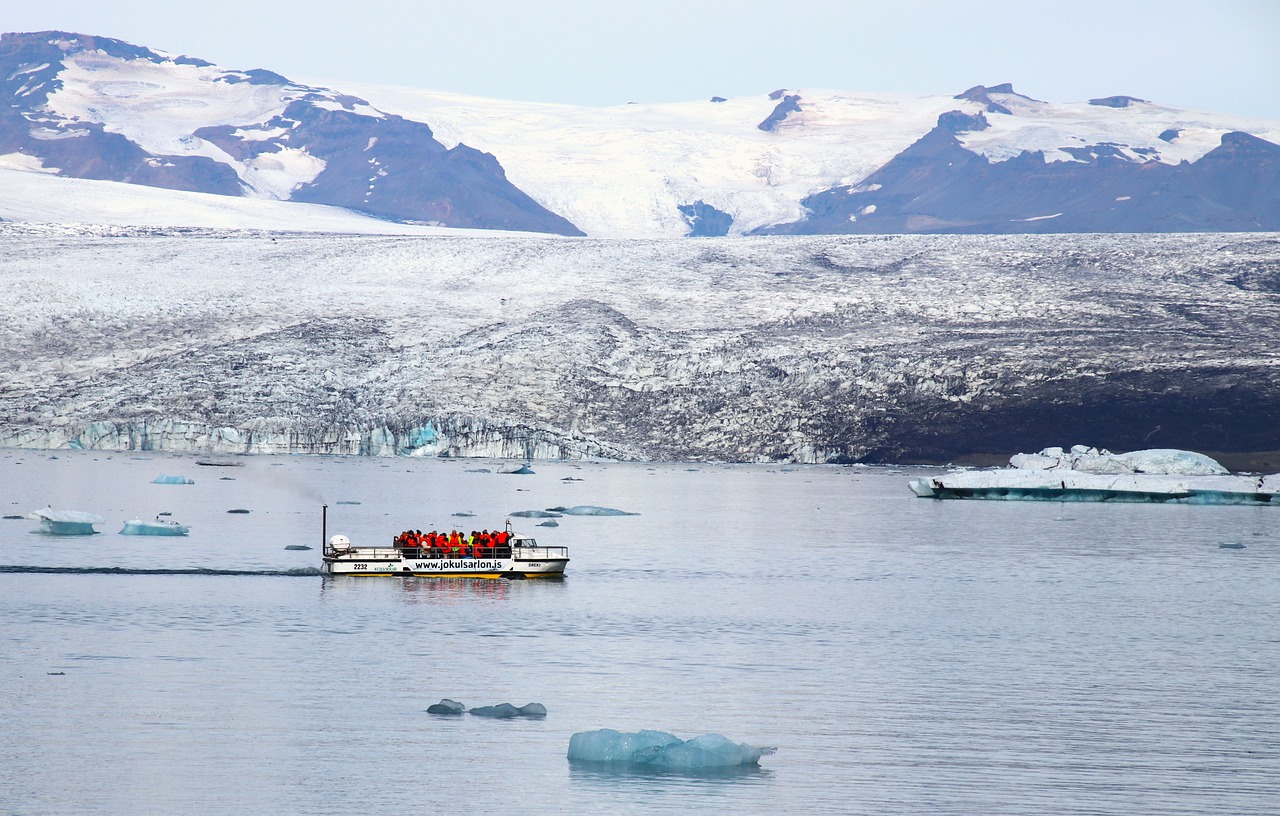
x=1215 y=54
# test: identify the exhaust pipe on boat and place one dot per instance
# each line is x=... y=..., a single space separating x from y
x=324 y=526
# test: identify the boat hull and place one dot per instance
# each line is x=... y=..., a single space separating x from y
x=535 y=564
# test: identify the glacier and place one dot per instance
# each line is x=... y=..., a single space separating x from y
x=781 y=349
x=660 y=750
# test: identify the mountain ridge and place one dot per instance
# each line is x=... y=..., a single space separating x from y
x=793 y=161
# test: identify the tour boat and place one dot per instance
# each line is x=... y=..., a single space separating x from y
x=521 y=557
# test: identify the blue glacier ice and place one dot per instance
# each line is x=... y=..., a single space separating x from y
x=65 y=522
x=658 y=749
x=159 y=527
x=166 y=479
x=534 y=514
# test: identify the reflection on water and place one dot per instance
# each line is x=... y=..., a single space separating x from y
x=610 y=774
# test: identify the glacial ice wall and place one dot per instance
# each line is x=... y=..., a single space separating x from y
x=885 y=348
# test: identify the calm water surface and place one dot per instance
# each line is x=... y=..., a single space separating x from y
x=905 y=656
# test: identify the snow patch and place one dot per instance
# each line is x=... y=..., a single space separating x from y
x=1038 y=217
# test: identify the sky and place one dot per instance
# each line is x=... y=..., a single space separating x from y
x=1219 y=55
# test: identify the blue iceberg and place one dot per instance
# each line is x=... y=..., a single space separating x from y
x=1092 y=475
x=534 y=514
x=446 y=706
x=658 y=749
x=159 y=527
x=65 y=522
x=166 y=479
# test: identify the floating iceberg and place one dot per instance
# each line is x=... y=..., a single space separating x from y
x=446 y=706
x=166 y=479
x=1162 y=461
x=658 y=749
x=534 y=514
x=1088 y=474
x=159 y=527
x=65 y=522
x=503 y=711
x=590 y=510
x=519 y=470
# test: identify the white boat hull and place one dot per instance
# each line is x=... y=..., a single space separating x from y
x=524 y=562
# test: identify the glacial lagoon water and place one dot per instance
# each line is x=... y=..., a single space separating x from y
x=904 y=656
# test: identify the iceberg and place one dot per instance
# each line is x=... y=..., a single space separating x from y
x=534 y=514
x=658 y=749
x=65 y=522
x=504 y=711
x=590 y=510
x=446 y=706
x=175 y=480
x=1091 y=475
x=159 y=527
x=519 y=470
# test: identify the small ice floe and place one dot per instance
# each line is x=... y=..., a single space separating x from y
x=658 y=749
x=446 y=706
x=65 y=522
x=347 y=502
x=164 y=478
x=570 y=479
x=550 y=523
x=464 y=514
x=534 y=514
x=505 y=711
x=159 y=527
x=1231 y=545
x=477 y=470
x=239 y=511
x=518 y=470
x=296 y=547
x=590 y=510
x=14 y=517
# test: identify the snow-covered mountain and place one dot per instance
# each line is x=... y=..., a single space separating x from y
x=97 y=108
x=988 y=159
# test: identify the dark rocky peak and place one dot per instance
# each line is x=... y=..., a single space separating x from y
x=54 y=45
x=778 y=94
x=959 y=122
x=705 y=220
x=982 y=94
x=1171 y=134
x=718 y=99
x=1238 y=143
x=790 y=104
x=254 y=76
x=1116 y=101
